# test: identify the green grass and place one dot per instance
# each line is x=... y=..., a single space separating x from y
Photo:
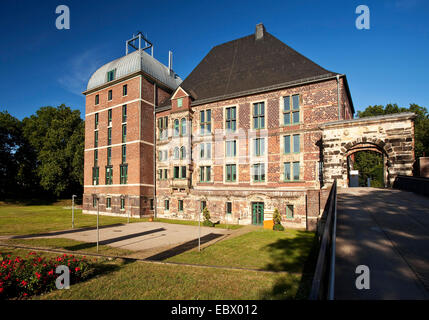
x=261 y=249
x=166 y=282
x=21 y=219
x=70 y=245
x=195 y=223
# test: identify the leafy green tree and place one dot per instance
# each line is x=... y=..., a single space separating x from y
x=56 y=135
x=277 y=220
x=370 y=165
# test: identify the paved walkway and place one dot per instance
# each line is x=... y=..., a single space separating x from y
x=388 y=231
x=155 y=240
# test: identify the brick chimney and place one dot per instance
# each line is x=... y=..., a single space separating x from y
x=259 y=32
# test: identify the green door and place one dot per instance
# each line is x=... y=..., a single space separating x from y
x=258 y=213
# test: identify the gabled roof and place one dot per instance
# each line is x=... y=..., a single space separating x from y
x=248 y=64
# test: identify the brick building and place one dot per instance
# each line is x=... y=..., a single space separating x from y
x=240 y=135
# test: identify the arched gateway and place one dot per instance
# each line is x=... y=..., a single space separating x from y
x=390 y=135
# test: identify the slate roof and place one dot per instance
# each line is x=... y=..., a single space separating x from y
x=248 y=64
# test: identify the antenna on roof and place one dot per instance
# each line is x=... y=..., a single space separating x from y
x=136 y=43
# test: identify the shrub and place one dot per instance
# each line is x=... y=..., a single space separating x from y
x=206 y=215
x=20 y=278
x=277 y=218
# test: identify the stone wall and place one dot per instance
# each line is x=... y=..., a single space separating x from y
x=392 y=135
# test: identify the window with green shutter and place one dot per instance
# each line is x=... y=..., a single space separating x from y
x=291 y=109
x=176 y=172
x=122 y=204
x=231 y=119
x=96 y=121
x=109 y=117
x=258 y=172
x=296 y=171
x=124 y=153
x=124 y=90
x=259 y=115
x=124 y=113
x=123 y=173
x=95 y=175
x=109 y=175
x=166 y=204
x=291 y=171
x=180 y=205
x=296 y=143
x=97 y=99
x=229 y=207
x=259 y=146
x=111 y=75
x=124 y=133
x=183 y=127
x=231 y=148
x=108 y=203
x=109 y=156
x=109 y=95
x=95 y=139
x=109 y=136
x=205 y=122
x=286 y=140
x=205 y=174
x=231 y=172
x=176 y=130
x=289 y=211
x=95 y=158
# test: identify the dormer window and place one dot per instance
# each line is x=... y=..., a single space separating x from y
x=179 y=102
x=111 y=75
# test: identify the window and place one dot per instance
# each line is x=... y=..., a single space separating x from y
x=124 y=153
x=176 y=128
x=122 y=204
x=160 y=174
x=96 y=121
x=109 y=95
x=259 y=115
x=151 y=204
x=229 y=207
x=183 y=127
x=123 y=173
x=95 y=175
x=124 y=90
x=163 y=127
x=95 y=139
x=109 y=136
x=180 y=205
x=296 y=147
x=108 y=203
x=166 y=204
x=176 y=153
x=291 y=171
x=286 y=144
x=109 y=117
x=258 y=172
x=97 y=99
x=259 y=147
x=176 y=172
x=165 y=173
x=296 y=171
x=111 y=75
x=231 y=148
x=296 y=143
x=231 y=119
x=231 y=172
x=95 y=158
x=183 y=171
x=109 y=175
x=203 y=204
x=291 y=114
x=109 y=156
x=94 y=201
x=289 y=211
x=205 y=122
x=179 y=102
x=182 y=153
x=124 y=113
x=205 y=174
x=205 y=150
x=124 y=133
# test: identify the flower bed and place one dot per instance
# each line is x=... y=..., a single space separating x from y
x=33 y=275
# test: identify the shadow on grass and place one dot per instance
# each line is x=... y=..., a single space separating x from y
x=295 y=255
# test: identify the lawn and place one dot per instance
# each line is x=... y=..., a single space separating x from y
x=32 y=219
x=195 y=223
x=139 y=280
x=69 y=245
x=260 y=249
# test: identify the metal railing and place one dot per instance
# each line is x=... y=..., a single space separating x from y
x=324 y=276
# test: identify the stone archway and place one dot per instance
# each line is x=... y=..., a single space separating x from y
x=391 y=135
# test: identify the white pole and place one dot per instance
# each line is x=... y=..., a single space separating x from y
x=73 y=196
x=199 y=232
x=98 y=214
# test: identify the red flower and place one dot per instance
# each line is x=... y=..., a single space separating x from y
x=25 y=294
x=77 y=269
x=23 y=283
x=38 y=275
x=1 y=290
x=50 y=273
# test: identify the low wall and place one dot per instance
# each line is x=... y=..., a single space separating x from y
x=418 y=185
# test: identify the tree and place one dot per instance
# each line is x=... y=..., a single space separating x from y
x=370 y=165
x=56 y=136
x=277 y=219
x=206 y=215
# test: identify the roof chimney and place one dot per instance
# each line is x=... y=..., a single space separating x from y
x=170 y=61
x=259 y=32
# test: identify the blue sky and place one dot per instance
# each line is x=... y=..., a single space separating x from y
x=40 y=65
